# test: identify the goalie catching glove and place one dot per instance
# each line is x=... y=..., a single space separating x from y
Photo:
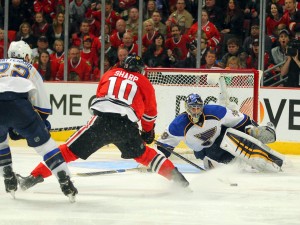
x=148 y=136
x=266 y=134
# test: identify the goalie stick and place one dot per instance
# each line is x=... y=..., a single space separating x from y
x=178 y=155
x=96 y=173
x=222 y=180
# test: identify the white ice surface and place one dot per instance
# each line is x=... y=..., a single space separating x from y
x=132 y=198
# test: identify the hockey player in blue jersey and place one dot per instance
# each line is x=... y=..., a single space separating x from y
x=24 y=108
x=203 y=128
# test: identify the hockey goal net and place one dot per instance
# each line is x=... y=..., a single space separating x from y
x=172 y=85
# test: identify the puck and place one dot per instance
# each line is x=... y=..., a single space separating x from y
x=234 y=184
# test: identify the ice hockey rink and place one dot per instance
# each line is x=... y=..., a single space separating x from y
x=133 y=198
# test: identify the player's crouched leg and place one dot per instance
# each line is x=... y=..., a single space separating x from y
x=160 y=164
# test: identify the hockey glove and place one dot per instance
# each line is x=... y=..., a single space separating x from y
x=266 y=134
x=149 y=136
x=14 y=135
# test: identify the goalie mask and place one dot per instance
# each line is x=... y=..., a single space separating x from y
x=194 y=106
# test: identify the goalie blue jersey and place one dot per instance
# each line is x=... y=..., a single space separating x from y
x=204 y=133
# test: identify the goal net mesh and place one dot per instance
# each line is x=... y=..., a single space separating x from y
x=172 y=85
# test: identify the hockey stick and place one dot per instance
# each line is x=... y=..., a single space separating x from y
x=65 y=128
x=178 y=155
x=96 y=173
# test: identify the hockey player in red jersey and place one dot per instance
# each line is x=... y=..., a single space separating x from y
x=124 y=97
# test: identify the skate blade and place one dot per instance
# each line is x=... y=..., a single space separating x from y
x=13 y=194
x=72 y=198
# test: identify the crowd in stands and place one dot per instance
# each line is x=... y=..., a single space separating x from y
x=230 y=34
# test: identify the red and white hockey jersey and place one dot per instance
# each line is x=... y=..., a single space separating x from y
x=127 y=93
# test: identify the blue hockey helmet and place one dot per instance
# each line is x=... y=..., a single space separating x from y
x=194 y=106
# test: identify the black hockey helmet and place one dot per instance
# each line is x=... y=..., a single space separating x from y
x=134 y=63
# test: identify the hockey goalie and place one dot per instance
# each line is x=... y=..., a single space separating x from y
x=218 y=135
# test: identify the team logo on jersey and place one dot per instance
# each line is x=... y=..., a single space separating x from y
x=235 y=113
x=165 y=135
x=206 y=136
x=37 y=139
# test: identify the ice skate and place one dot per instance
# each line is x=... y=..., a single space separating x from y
x=29 y=181
x=67 y=186
x=180 y=180
x=10 y=181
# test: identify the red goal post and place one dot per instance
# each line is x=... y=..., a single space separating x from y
x=241 y=86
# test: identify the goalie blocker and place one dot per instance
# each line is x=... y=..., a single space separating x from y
x=252 y=151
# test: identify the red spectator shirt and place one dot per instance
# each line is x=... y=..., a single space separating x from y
x=180 y=44
x=79 y=72
x=212 y=33
x=134 y=49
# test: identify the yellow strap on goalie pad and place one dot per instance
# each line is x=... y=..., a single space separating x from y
x=252 y=151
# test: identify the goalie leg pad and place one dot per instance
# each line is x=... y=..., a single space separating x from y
x=252 y=151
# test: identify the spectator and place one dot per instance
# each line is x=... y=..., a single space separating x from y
x=234 y=49
x=275 y=21
x=45 y=7
x=149 y=35
x=40 y=25
x=42 y=45
x=212 y=34
x=58 y=54
x=1 y=15
x=156 y=54
x=78 y=9
x=233 y=63
x=191 y=59
x=279 y=52
x=252 y=60
x=126 y=4
x=25 y=34
x=149 y=10
x=210 y=60
x=132 y=24
x=192 y=8
x=95 y=25
x=158 y=25
x=77 y=38
x=56 y=29
x=111 y=16
x=291 y=69
x=110 y=51
x=254 y=34
x=122 y=54
x=215 y=13
x=2 y=44
x=47 y=68
x=251 y=10
x=292 y=17
x=164 y=9
x=78 y=68
x=181 y=17
x=116 y=38
x=17 y=14
x=177 y=43
x=89 y=54
x=233 y=23
x=97 y=72
x=128 y=42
